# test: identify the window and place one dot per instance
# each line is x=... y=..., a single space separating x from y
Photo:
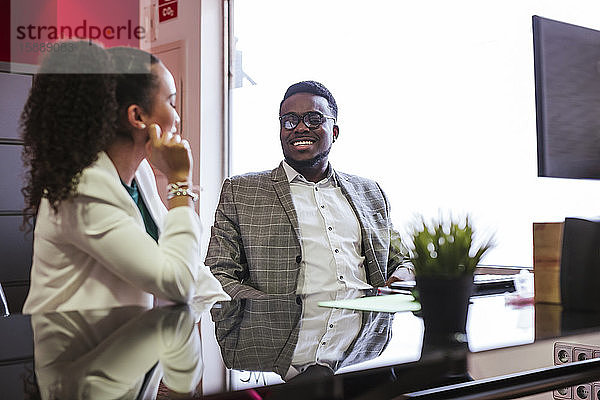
x=436 y=103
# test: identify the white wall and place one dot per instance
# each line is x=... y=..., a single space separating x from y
x=212 y=165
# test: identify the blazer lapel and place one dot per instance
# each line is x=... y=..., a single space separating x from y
x=147 y=186
x=356 y=202
x=282 y=189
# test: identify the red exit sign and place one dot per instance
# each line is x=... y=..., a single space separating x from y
x=167 y=10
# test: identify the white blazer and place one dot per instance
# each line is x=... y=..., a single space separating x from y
x=95 y=252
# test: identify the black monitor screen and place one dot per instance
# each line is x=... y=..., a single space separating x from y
x=567 y=88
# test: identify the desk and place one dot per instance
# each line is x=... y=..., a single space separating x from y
x=122 y=352
x=502 y=339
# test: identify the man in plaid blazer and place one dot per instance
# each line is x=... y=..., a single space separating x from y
x=303 y=227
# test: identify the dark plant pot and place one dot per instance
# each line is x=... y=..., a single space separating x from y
x=444 y=307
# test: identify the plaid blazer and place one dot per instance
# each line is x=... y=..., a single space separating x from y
x=255 y=245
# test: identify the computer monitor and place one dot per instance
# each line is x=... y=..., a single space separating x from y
x=567 y=92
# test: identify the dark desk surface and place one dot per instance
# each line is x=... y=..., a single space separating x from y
x=120 y=352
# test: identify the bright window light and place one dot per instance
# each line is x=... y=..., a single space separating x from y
x=436 y=103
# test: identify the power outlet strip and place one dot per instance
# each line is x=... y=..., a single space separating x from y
x=565 y=353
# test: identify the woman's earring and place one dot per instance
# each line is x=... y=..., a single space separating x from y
x=142 y=126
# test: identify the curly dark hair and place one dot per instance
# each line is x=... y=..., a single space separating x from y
x=68 y=119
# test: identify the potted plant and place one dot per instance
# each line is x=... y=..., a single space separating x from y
x=444 y=257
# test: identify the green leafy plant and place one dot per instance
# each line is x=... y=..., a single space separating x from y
x=444 y=248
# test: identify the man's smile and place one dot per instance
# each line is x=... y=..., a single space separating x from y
x=302 y=143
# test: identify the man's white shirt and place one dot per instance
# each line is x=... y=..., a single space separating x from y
x=332 y=263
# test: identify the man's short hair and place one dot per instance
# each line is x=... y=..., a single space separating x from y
x=311 y=87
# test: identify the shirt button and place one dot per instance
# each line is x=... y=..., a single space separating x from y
x=322 y=206
x=298 y=259
x=323 y=344
x=331 y=325
x=330 y=228
x=298 y=300
x=336 y=250
x=316 y=189
x=341 y=277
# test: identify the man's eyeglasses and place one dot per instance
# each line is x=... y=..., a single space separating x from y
x=312 y=119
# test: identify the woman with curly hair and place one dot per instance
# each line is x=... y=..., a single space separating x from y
x=103 y=238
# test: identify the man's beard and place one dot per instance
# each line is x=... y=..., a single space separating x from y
x=305 y=164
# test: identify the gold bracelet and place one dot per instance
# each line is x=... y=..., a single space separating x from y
x=178 y=185
x=182 y=192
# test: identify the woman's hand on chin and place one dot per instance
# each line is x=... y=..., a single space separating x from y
x=170 y=154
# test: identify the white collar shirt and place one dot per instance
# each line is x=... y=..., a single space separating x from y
x=330 y=236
